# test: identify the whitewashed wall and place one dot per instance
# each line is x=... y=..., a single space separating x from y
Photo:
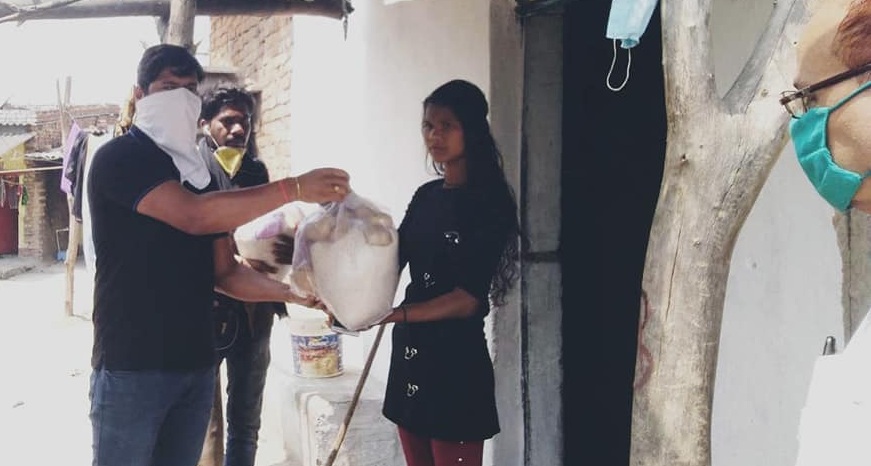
x=782 y=300
x=356 y=103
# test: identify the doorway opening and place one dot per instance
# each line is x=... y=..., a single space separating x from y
x=613 y=152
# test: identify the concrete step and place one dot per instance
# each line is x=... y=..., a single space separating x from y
x=315 y=408
x=11 y=266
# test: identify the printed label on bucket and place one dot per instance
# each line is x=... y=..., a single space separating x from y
x=317 y=356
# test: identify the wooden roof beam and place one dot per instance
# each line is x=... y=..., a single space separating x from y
x=14 y=10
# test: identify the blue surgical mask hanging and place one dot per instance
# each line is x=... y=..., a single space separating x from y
x=627 y=22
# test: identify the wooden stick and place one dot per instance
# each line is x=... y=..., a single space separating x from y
x=22 y=14
x=343 y=429
x=160 y=8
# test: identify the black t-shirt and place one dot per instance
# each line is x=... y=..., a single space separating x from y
x=154 y=283
x=252 y=172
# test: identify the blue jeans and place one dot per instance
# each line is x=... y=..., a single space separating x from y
x=247 y=362
x=150 y=418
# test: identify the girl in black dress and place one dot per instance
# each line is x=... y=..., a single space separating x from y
x=460 y=238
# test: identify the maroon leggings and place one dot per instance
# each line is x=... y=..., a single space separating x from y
x=425 y=451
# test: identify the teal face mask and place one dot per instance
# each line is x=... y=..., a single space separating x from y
x=628 y=19
x=836 y=185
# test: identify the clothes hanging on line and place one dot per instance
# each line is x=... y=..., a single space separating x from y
x=65 y=183
x=21 y=197
x=72 y=147
x=10 y=193
x=90 y=254
x=85 y=144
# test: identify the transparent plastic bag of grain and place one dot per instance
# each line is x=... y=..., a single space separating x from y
x=347 y=255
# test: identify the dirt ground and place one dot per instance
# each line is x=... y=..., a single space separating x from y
x=45 y=357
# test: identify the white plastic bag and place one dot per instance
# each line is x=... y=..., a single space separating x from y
x=347 y=254
x=836 y=418
x=255 y=239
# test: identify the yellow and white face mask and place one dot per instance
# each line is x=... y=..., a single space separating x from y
x=229 y=158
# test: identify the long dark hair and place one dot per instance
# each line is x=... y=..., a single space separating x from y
x=485 y=176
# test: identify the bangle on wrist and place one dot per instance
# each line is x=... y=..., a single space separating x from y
x=284 y=193
x=298 y=189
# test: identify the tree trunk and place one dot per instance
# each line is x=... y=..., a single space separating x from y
x=118 y=8
x=718 y=155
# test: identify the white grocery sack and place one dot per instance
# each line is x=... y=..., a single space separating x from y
x=255 y=239
x=347 y=254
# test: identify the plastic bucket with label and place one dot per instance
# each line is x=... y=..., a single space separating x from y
x=317 y=350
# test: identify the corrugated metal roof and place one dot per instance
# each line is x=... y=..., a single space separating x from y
x=13 y=130
x=17 y=117
x=7 y=143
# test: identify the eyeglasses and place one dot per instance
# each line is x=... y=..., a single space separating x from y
x=796 y=102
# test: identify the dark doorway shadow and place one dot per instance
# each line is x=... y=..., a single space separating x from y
x=613 y=153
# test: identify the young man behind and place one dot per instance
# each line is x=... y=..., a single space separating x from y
x=162 y=250
x=242 y=329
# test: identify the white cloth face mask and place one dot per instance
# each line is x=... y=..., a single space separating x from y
x=169 y=118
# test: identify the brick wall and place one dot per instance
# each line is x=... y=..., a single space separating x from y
x=259 y=49
x=48 y=125
x=41 y=216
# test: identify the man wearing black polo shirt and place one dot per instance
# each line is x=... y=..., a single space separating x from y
x=161 y=248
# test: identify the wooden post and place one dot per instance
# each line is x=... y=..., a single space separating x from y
x=180 y=30
x=61 y=107
x=75 y=229
x=335 y=9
